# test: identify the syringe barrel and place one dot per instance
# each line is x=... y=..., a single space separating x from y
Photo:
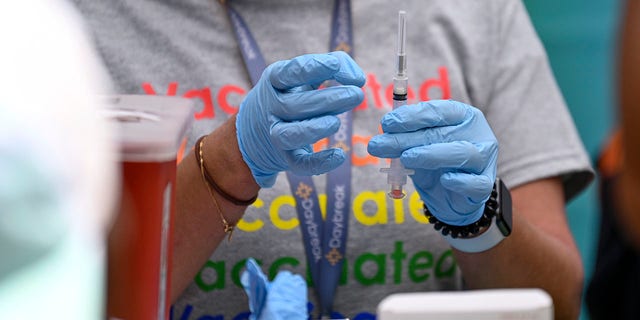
x=398 y=103
x=400 y=79
x=397 y=174
x=400 y=90
x=396 y=178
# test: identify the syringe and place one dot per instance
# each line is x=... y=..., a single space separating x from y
x=397 y=173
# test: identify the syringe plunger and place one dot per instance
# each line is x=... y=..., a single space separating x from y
x=402 y=43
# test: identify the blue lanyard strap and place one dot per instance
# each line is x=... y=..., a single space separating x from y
x=324 y=241
x=251 y=55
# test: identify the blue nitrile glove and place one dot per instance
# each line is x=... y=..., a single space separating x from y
x=453 y=151
x=285 y=113
x=284 y=298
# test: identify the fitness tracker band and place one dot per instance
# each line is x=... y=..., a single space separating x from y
x=484 y=234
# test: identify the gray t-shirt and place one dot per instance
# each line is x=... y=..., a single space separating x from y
x=484 y=53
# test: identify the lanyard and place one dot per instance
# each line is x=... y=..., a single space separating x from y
x=324 y=241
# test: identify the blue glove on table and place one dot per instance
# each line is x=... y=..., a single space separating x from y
x=284 y=298
x=285 y=113
x=453 y=151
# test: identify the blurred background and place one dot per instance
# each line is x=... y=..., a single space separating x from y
x=581 y=40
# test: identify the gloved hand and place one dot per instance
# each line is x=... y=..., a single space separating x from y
x=453 y=151
x=284 y=298
x=284 y=114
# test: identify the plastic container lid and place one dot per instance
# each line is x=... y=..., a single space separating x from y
x=149 y=128
x=533 y=304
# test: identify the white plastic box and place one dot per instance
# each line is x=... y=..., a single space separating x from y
x=504 y=304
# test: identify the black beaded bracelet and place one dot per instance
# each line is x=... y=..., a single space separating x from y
x=470 y=230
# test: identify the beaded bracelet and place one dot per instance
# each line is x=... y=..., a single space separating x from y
x=470 y=230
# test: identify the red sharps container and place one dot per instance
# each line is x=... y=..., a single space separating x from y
x=150 y=132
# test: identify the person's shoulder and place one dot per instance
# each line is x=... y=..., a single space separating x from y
x=488 y=11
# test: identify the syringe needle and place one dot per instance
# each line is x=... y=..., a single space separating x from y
x=396 y=173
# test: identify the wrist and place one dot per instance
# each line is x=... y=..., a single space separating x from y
x=249 y=151
x=493 y=226
x=224 y=162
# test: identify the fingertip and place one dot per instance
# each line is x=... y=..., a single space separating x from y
x=274 y=73
x=372 y=146
x=335 y=158
x=375 y=146
x=305 y=162
x=244 y=279
x=388 y=145
x=349 y=72
x=327 y=160
x=394 y=121
x=358 y=96
x=303 y=70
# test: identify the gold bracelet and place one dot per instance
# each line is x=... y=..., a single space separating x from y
x=228 y=227
x=212 y=183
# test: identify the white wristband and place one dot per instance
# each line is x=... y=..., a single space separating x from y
x=482 y=242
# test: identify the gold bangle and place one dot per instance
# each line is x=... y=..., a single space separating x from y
x=227 y=227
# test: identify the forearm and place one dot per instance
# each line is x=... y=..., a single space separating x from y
x=539 y=253
x=629 y=75
x=198 y=228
